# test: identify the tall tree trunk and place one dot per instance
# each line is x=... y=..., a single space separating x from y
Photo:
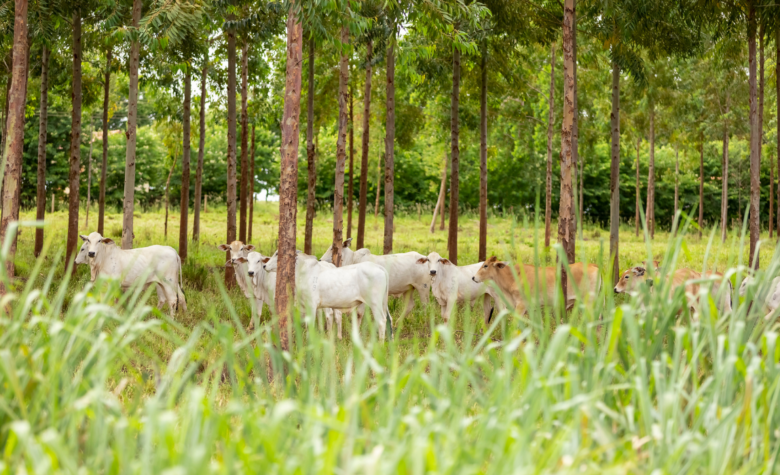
x=566 y=236
x=184 y=206
x=89 y=172
x=575 y=138
x=650 y=205
x=364 y=156
x=442 y=192
x=676 y=186
x=550 y=124
x=483 y=178
x=614 y=182
x=311 y=164
x=132 y=121
x=201 y=151
x=341 y=153
x=701 y=186
x=244 y=142
x=231 y=158
x=350 y=189
x=75 y=143
x=251 y=184
x=455 y=157
x=637 y=217
x=288 y=182
x=390 y=146
x=755 y=141
x=42 y=126
x=168 y=196
x=378 y=186
x=14 y=144
x=443 y=209
x=761 y=92
x=724 y=190
x=771 y=197
x=104 y=166
x=777 y=121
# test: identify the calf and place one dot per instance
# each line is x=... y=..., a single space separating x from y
x=540 y=281
x=769 y=297
x=238 y=250
x=341 y=288
x=158 y=265
x=453 y=284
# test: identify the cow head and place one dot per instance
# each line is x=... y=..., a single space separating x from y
x=82 y=257
x=255 y=262
x=346 y=253
x=631 y=279
x=436 y=264
x=237 y=249
x=95 y=244
x=749 y=279
x=489 y=270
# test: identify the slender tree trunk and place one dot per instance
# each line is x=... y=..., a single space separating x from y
x=390 y=146
x=288 y=183
x=350 y=189
x=251 y=184
x=575 y=140
x=455 y=157
x=184 y=206
x=364 y=157
x=755 y=142
x=378 y=187
x=311 y=164
x=483 y=162
x=231 y=158
x=168 y=196
x=89 y=172
x=724 y=191
x=42 y=126
x=341 y=153
x=566 y=235
x=701 y=186
x=650 y=210
x=771 y=197
x=442 y=193
x=637 y=217
x=777 y=121
x=443 y=210
x=550 y=125
x=676 y=186
x=244 y=143
x=201 y=151
x=104 y=166
x=14 y=144
x=614 y=182
x=75 y=143
x=132 y=120
x=761 y=92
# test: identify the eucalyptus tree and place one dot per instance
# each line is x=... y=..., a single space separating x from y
x=566 y=237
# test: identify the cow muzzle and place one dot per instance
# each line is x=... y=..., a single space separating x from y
x=251 y=273
x=91 y=254
x=433 y=272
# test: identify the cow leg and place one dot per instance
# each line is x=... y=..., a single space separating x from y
x=337 y=314
x=408 y=298
x=446 y=310
x=425 y=295
x=521 y=309
x=161 y=299
x=382 y=321
x=488 y=307
x=361 y=310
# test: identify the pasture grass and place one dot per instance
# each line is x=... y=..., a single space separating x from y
x=95 y=379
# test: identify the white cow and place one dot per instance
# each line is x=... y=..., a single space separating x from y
x=453 y=284
x=341 y=288
x=769 y=297
x=158 y=265
x=406 y=275
x=237 y=250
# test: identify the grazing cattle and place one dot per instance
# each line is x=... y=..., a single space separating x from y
x=238 y=250
x=341 y=288
x=406 y=275
x=453 y=284
x=690 y=280
x=769 y=297
x=158 y=265
x=540 y=282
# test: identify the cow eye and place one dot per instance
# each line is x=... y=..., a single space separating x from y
x=626 y=277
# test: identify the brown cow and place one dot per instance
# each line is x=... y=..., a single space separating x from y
x=544 y=289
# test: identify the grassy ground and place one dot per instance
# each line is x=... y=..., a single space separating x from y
x=92 y=377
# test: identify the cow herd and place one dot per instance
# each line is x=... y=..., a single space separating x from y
x=368 y=280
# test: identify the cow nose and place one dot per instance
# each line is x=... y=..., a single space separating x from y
x=251 y=273
x=474 y=279
x=616 y=291
x=433 y=272
x=91 y=254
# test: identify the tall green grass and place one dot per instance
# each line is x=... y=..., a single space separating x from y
x=94 y=380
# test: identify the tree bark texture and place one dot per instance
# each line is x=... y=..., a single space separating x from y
x=341 y=153
x=201 y=151
x=637 y=217
x=104 y=163
x=75 y=143
x=566 y=236
x=777 y=115
x=390 y=146
x=483 y=178
x=132 y=121
x=168 y=196
x=231 y=157
x=350 y=189
x=455 y=158
x=771 y=198
x=650 y=205
x=244 y=143
x=184 y=205
x=724 y=190
x=378 y=185
x=614 y=182
x=42 y=125
x=755 y=142
x=251 y=185
x=442 y=193
x=14 y=143
x=288 y=183
x=550 y=125
x=701 y=186
x=364 y=157
x=311 y=163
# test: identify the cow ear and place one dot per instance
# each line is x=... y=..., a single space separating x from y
x=223 y=247
x=639 y=271
x=445 y=261
x=492 y=259
x=500 y=265
x=107 y=241
x=250 y=247
x=347 y=242
x=266 y=259
x=422 y=260
x=85 y=238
